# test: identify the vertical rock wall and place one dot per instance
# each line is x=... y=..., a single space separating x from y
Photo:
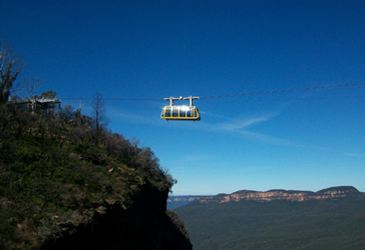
x=145 y=225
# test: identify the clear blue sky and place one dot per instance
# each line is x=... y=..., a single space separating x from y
x=162 y=48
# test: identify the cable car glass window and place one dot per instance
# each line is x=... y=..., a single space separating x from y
x=167 y=112
x=175 y=112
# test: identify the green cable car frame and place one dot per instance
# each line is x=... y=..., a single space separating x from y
x=180 y=112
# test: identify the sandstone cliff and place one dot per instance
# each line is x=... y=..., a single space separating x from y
x=280 y=194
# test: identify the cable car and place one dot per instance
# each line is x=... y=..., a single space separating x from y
x=180 y=112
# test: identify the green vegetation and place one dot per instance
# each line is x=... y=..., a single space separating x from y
x=57 y=171
x=324 y=224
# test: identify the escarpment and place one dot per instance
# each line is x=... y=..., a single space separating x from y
x=280 y=194
x=64 y=185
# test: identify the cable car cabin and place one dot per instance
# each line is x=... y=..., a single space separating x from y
x=180 y=112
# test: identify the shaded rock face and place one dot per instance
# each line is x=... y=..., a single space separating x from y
x=289 y=195
x=145 y=225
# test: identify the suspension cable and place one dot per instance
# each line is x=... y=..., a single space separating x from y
x=248 y=93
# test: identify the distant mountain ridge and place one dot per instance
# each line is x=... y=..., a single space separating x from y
x=338 y=192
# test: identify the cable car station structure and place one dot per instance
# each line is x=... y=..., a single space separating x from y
x=180 y=112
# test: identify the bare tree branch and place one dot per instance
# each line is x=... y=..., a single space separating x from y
x=8 y=74
x=98 y=115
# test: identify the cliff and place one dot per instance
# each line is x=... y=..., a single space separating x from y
x=280 y=194
x=66 y=185
x=144 y=225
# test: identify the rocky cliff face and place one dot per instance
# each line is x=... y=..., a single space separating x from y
x=279 y=194
x=145 y=225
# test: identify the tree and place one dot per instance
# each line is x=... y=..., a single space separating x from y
x=8 y=74
x=98 y=115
